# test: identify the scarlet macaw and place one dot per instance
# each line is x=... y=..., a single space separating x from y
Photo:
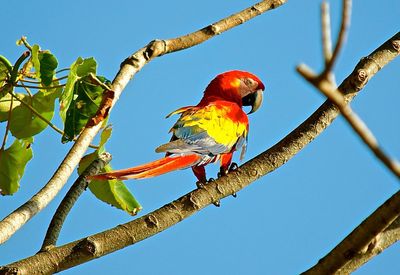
x=210 y=131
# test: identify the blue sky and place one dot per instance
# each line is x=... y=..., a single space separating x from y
x=281 y=224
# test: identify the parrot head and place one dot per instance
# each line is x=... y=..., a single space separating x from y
x=240 y=87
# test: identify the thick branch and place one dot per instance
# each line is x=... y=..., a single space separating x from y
x=10 y=224
x=74 y=253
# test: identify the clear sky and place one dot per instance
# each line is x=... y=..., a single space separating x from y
x=281 y=224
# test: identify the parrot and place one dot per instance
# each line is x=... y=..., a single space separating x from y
x=208 y=132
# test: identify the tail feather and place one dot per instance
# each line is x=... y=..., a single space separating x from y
x=151 y=169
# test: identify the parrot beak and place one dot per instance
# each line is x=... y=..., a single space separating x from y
x=254 y=100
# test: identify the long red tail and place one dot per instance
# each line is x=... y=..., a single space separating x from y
x=151 y=169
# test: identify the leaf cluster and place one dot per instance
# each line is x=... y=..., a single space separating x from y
x=29 y=90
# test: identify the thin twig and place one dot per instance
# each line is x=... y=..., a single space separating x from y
x=29 y=92
x=69 y=200
x=326 y=32
x=62 y=70
x=25 y=42
x=94 y=78
x=363 y=235
x=15 y=220
x=38 y=82
x=355 y=122
x=100 y=244
x=326 y=38
x=345 y=22
x=7 y=126
x=40 y=87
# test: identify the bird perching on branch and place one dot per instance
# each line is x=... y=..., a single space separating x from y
x=210 y=131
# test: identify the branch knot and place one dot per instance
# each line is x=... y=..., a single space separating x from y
x=396 y=45
x=86 y=246
x=152 y=221
x=155 y=48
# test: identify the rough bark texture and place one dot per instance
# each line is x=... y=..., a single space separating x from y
x=15 y=220
x=94 y=246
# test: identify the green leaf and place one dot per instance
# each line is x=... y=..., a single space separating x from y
x=113 y=192
x=45 y=65
x=48 y=65
x=5 y=105
x=116 y=193
x=35 y=60
x=80 y=68
x=85 y=102
x=24 y=123
x=104 y=137
x=4 y=74
x=12 y=162
x=86 y=160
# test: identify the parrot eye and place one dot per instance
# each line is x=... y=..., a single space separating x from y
x=250 y=83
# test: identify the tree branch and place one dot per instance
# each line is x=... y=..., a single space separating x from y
x=94 y=246
x=326 y=32
x=327 y=88
x=380 y=243
x=10 y=224
x=345 y=22
x=69 y=200
x=380 y=230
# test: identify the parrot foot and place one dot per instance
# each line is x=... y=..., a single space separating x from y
x=233 y=167
x=222 y=172
x=200 y=184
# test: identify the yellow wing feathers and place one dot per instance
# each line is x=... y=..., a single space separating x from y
x=220 y=122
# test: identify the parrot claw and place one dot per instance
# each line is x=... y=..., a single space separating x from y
x=234 y=195
x=233 y=167
x=217 y=203
x=200 y=184
x=222 y=173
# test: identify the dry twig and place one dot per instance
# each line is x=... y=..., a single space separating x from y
x=362 y=243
